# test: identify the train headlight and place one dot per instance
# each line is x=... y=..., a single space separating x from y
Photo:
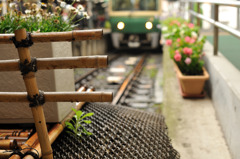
x=149 y=25
x=120 y=25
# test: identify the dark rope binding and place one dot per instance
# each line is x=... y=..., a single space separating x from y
x=23 y=43
x=34 y=155
x=27 y=66
x=17 y=152
x=37 y=99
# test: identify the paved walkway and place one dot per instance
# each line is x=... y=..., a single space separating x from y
x=192 y=123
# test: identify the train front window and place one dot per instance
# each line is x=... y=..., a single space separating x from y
x=129 y=5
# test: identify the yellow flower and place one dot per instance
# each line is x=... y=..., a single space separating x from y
x=34 y=5
x=26 y=5
x=58 y=9
x=56 y=21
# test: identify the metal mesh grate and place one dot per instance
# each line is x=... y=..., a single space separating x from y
x=118 y=132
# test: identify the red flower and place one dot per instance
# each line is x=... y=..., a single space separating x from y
x=191 y=25
x=177 y=52
x=177 y=57
x=192 y=41
x=169 y=42
x=187 y=39
x=187 y=51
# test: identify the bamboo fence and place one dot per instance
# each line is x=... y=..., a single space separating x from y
x=42 y=139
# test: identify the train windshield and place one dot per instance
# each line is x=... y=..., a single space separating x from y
x=136 y=5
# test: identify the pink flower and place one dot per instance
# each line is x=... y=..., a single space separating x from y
x=169 y=42
x=187 y=39
x=177 y=57
x=179 y=40
x=191 y=25
x=177 y=52
x=192 y=41
x=188 y=60
x=187 y=51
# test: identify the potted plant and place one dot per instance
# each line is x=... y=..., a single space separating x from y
x=39 y=17
x=186 y=49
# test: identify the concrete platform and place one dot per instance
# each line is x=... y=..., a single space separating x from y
x=192 y=123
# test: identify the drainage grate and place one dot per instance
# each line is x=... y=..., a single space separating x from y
x=118 y=132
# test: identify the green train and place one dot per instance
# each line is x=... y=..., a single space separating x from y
x=135 y=23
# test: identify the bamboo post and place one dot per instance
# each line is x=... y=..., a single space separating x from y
x=57 y=128
x=32 y=90
x=59 y=63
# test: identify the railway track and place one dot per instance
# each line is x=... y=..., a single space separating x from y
x=134 y=80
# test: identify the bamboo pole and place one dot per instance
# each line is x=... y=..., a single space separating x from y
x=59 y=63
x=28 y=144
x=14 y=130
x=32 y=89
x=13 y=138
x=58 y=128
x=59 y=96
x=76 y=35
x=5 y=154
x=16 y=133
x=8 y=144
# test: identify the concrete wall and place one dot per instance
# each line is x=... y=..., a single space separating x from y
x=49 y=80
x=224 y=89
x=92 y=47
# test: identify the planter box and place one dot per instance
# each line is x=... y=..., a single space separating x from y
x=192 y=85
x=47 y=80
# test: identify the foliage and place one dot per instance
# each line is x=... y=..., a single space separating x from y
x=41 y=17
x=186 y=47
x=76 y=124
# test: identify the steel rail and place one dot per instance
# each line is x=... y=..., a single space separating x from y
x=94 y=70
x=126 y=82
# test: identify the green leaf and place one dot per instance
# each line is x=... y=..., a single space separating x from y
x=74 y=110
x=88 y=133
x=79 y=114
x=87 y=115
x=69 y=125
x=87 y=121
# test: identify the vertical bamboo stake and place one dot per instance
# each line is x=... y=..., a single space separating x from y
x=32 y=89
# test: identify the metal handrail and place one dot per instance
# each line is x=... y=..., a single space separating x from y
x=223 y=3
x=214 y=21
x=218 y=24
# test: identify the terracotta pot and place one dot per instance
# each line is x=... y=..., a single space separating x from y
x=192 y=85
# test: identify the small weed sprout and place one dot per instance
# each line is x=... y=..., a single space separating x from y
x=76 y=124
